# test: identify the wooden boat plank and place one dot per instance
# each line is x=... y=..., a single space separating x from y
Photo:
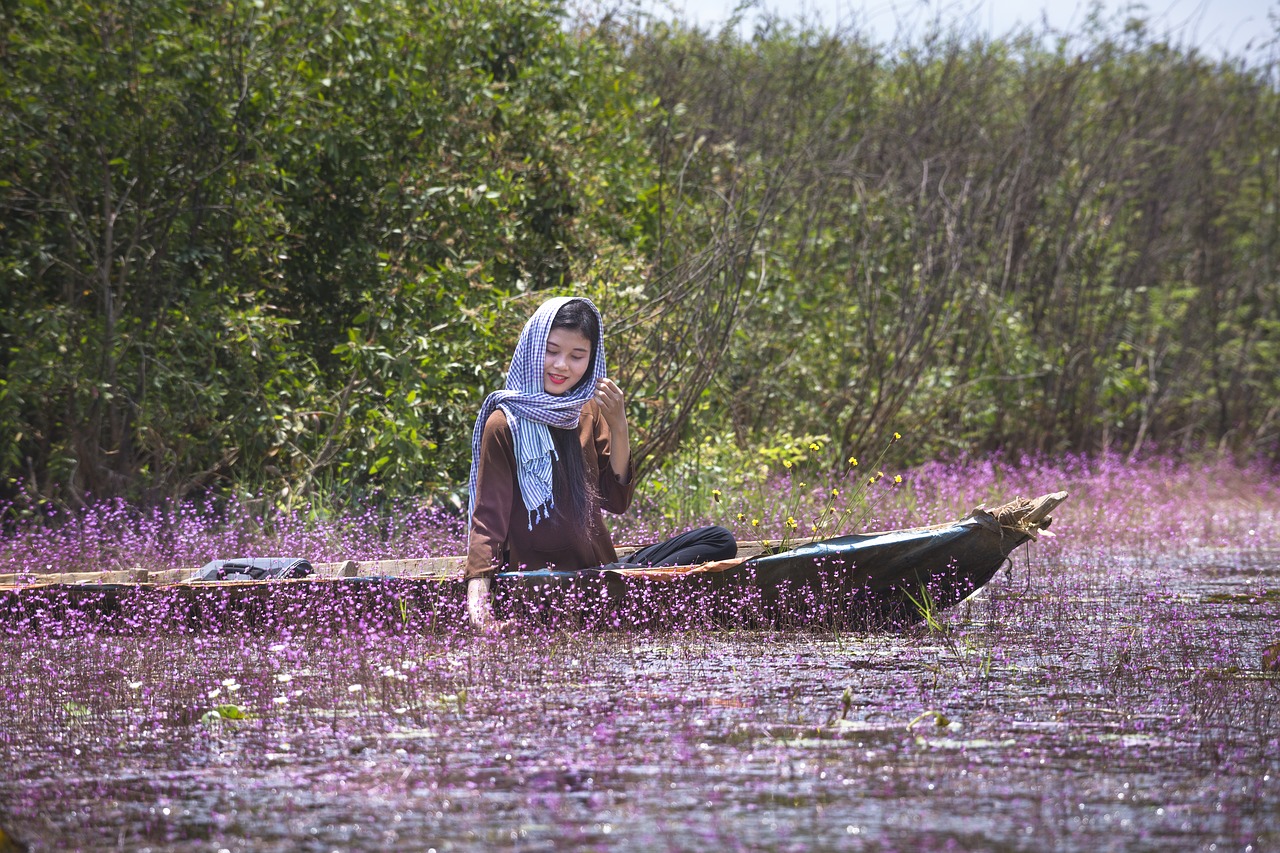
x=427 y=568
x=437 y=568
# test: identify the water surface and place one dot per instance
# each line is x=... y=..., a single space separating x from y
x=1068 y=706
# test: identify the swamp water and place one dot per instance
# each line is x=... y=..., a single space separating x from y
x=1071 y=705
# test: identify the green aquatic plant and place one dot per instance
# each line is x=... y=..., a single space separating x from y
x=937 y=718
x=925 y=609
x=225 y=711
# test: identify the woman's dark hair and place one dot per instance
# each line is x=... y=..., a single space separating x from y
x=577 y=498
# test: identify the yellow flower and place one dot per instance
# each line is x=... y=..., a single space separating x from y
x=755 y=522
x=715 y=495
x=897 y=478
x=853 y=462
x=791 y=523
x=742 y=516
x=835 y=493
x=897 y=436
x=879 y=475
x=786 y=463
x=814 y=446
x=871 y=481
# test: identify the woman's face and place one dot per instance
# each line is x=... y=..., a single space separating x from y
x=566 y=362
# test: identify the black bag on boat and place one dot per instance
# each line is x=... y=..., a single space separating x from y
x=253 y=569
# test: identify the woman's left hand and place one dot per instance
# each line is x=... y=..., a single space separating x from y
x=612 y=404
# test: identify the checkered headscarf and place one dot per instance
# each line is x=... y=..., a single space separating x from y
x=530 y=410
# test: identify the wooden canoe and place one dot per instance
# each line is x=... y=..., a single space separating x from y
x=861 y=581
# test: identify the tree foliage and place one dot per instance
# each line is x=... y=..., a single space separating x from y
x=285 y=246
x=271 y=243
x=992 y=244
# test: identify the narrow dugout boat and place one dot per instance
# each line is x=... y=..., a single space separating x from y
x=864 y=581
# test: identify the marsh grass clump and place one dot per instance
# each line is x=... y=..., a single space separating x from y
x=797 y=489
x=1105 y=688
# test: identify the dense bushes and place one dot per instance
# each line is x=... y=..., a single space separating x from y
x=282 y=246
x=995 y=245
x=271 y=243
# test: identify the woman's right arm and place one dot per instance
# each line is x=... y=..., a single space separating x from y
x=480 y=602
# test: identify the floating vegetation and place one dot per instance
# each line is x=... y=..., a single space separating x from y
x=1261 y=597
x=1100 y=693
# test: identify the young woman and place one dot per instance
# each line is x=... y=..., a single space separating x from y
x=552 y=450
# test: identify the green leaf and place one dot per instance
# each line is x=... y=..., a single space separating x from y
x=226 y=712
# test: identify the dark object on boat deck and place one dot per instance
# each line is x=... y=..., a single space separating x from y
x=253 y=569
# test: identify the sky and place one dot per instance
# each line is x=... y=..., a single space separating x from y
x=1235 y=28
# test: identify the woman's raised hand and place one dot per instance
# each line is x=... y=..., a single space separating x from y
x=612 y=404
x=613 y=409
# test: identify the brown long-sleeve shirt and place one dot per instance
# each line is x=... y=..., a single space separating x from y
x=500 y=534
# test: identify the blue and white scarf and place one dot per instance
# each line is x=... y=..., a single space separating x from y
x=530 y=410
